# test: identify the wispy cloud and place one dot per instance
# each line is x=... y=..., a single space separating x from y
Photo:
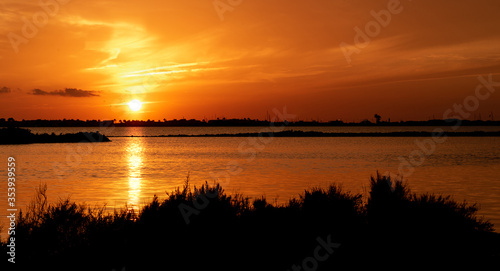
x=286 y=51
x=68 y=92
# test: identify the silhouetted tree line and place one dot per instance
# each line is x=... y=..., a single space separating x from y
x=10 y=122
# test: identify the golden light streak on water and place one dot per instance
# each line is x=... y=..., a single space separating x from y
x=135 y=163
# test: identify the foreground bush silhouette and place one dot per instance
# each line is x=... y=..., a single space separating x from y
x=231 y=233
x=429 y=226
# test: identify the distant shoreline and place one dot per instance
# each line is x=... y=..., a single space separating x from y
x=246 y=122
x=16 y=136
x=292 y=133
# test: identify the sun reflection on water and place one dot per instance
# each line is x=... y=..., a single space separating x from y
x=135 y=149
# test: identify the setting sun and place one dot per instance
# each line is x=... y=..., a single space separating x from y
x=135 y=105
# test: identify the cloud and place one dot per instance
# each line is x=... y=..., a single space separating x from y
x=4 y=90
x=283 y=50
x=68 y=92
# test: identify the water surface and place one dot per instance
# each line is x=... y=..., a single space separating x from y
x=130 y=170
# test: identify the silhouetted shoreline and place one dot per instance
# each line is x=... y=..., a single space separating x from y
x=245 y=122
x=25 y=136
x=293 y=133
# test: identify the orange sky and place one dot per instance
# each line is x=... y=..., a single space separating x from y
x=87 y=59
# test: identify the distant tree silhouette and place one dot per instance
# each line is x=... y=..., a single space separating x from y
x=222 y=121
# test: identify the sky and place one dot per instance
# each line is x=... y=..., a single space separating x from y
x=319 y=59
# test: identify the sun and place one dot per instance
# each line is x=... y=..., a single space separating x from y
x=135 y=105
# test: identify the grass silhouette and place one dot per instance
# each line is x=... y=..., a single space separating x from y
x=230 y=232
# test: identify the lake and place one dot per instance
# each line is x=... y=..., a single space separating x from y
x=130 y=170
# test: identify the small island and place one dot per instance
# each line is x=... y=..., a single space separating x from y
x=24 y=136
